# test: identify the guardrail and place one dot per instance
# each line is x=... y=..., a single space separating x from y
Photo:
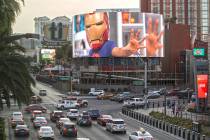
x=181 y=132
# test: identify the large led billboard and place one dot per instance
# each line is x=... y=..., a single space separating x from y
x=48 y=54
x=202 y=83
x=118 y=34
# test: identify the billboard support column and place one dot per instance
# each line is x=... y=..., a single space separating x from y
x=145 y=75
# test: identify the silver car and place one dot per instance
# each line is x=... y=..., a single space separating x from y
x=116 y=125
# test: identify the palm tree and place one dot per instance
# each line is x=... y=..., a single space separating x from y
x=9 y=9
x=14 y=73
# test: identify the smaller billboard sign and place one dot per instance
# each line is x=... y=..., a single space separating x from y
x=202 y=83
x=199 y=52
x=48 y=54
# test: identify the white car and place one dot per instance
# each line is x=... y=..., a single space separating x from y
x=74 y=93
x=134 y=102
x=73 y=113
x=39 y=121
x=17 y=115
x=140 y=135
x=116 y=125
x=46 y=132
x=66 y=104
x=96 y=92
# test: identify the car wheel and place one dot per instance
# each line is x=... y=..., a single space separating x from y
x=130 y=138
x=62 y=107
x=85 y=104
x=124 y=132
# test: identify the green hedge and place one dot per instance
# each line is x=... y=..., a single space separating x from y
x=2 y=129
x=173 y=120
x=186 y=123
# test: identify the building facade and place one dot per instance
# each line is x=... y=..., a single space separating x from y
x=191 y=12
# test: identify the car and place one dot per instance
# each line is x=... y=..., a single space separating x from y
x=16 y=121
x=33 y=107
x=42 y=92
x=74 y=93
x=103 y=119
x=68 y=129
x=96 y=92
x=105 y=96
x=140 y=135
x=46 y=132
x=134 y=102
x=36 y=99
x=94 y=113
x=56 y=115
x=82 y=139
x=36 y=113
x=152 y=95
x=17 y=115
x=21 y=130
x=39 y=121
x=84 y=120
x=60 y=122
x=116 y=125
x=82 y=102
x=67 y=104
x=72 y=114
x=124 y=97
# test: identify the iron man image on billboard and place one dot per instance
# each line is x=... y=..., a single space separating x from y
x=117 y=35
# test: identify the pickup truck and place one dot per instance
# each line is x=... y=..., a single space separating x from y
x=134 y=102
x=67 y=104
x=96 y=92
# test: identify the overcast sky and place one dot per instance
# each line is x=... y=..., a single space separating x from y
x=52 y=8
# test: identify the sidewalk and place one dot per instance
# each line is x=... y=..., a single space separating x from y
x=184 y=114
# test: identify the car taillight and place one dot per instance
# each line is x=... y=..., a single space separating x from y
x=65 y=130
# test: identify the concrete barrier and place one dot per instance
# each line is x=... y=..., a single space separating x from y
x=167 y=127
x=153 y=123
x=192 y=135
x=160 y=125
x=142 y=118
x=179 y=132
x=175 y=130
x=203 y=137
x=197 y=136
x=139 y=117
x=171 y=128
x=156 y=123
x=163 y=126
x=183 y=133
x=150 y=121
x=188 y=135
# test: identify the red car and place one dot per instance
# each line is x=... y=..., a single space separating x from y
x=68 y=129
x=33 y=107
x=103 y=119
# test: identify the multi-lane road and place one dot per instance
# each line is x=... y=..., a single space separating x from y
x=95 y=132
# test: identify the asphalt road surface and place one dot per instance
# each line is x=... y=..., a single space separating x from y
x=95 y=132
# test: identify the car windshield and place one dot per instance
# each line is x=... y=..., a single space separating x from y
x=94 y=111
x=74 y=111
x=40 y=119
x=21 y=127
x=69 y=126
x=46 y=129
x=118 y=122
x=85 y=117
x=58 y=113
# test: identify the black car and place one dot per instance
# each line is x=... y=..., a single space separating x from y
x=94 y=114
x=84 y=120
x=21 y=130
x=56 y=115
